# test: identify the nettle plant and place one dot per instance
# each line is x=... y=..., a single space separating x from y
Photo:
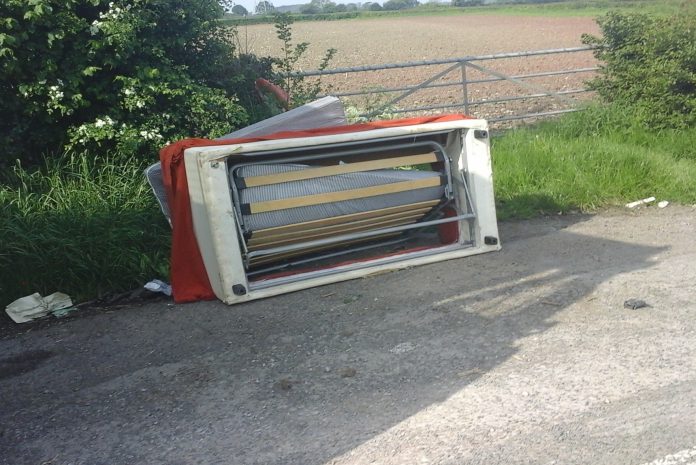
x=373 y=106
x=298 y=88
x=123 y=76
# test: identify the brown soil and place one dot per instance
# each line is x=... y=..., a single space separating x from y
x=391 y=40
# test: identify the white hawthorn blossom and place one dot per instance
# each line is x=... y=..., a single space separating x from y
x=150 y=135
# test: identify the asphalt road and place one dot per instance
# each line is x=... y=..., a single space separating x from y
x=526 y=356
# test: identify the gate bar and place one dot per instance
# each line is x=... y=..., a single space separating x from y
x=456 y=83
x=410 y=64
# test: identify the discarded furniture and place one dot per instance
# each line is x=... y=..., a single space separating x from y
x=276 y=216
x=323 y=112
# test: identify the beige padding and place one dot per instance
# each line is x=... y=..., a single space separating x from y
x=345 y=226
x=307 y=225
x=310 y=173
x=346 y=229
x=265 y=259
x=340 y=196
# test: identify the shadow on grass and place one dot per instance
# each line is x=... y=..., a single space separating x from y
x=80 y=225
x=528 y=206
x=80 y=253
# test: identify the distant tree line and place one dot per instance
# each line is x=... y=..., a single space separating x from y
x=327 y=6
x=315 y=7
x=322 y=7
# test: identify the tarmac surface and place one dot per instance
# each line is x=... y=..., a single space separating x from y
x=524 y=356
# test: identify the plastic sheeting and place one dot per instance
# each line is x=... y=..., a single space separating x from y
x=321 y=113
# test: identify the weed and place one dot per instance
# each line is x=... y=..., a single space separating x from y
x=371 y=107
x=298 y=87
x=82 y=225
x=591 y=159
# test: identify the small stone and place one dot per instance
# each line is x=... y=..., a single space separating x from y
x=402 y=348
x=347 y=372
x=284 y=384
x=635 y=304
x=662 y=204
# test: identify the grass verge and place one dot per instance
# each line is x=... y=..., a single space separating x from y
x=89 y=226
x=589 y=160
x=81 y=225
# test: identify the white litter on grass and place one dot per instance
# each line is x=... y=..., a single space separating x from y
x=683 y=457
x=35 y=306
x=640 y=202
x=159 y=286
x=402 y=348
x=662 y=204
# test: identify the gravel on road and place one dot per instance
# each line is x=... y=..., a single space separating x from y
x=525 y=356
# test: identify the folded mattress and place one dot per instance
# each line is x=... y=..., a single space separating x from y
x=327 y=185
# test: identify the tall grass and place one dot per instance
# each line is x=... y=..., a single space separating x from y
x=81 y=225
x=90 y=225
x=591 y=159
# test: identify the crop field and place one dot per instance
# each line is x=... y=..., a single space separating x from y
x=399 y=39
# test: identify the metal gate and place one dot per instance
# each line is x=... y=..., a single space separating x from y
x=467 y=84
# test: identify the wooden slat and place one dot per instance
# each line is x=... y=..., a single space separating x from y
x=340 y=196
x=261 y=233
x=321 y=235
x=309 y=173
x=342 y=227
x=266 y=259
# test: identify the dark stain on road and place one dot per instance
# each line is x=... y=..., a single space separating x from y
x=23 y=363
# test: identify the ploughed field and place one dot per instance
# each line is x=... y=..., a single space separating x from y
x=393 y=40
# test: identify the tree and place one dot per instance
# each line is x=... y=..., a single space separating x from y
x=328 y=7
x=462 y=3
x=375 y=7
x=321 y=6
x=309 y=9
x=106 y=75
x=264 y=7
x=226 y=5
x=400 y=4
x=295 y=86
x=239 y=10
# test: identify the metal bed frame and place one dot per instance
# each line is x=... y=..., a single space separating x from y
x=392 y=144
x=462 y=148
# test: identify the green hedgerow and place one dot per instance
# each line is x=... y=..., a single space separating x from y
x=153 y=70
x=649 y=65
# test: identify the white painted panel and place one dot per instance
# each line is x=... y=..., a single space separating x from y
x=217 y=233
